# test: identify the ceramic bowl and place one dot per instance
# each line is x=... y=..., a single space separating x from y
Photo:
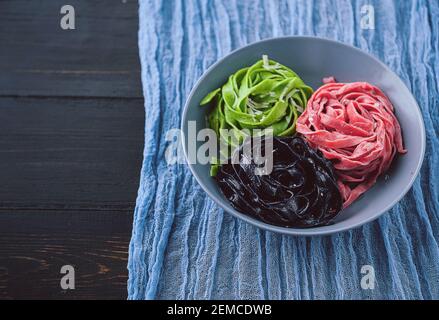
x=312 y=59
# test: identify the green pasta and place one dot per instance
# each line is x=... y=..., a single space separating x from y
x=267 y=95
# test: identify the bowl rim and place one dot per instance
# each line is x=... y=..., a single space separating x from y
x=317 y=231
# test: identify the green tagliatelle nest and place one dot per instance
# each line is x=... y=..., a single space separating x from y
x=267 y=95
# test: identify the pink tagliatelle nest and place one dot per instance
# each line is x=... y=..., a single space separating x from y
x=354 y=126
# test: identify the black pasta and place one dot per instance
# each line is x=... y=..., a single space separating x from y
x=301 y=190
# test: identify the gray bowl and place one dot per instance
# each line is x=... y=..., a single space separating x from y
x=314 y=58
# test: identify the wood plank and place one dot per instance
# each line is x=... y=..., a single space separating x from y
x=35 y=245
x=97 y=59
x=69 y=166
x=70 y=154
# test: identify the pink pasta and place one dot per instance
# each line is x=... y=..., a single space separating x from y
x=354 y=126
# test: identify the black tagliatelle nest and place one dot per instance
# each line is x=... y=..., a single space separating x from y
x=301 y=190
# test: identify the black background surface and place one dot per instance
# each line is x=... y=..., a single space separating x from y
x=71 y=142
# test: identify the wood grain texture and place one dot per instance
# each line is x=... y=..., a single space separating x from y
x=99 y=58
x=71 y=141
x=35 y=245
x=69 y=176
x=59 y=153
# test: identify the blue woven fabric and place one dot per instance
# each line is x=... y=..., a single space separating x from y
x=184 y=247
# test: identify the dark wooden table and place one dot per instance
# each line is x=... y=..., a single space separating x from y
x=71 y=142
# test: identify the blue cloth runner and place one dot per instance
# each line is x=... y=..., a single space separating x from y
x=184 y=246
